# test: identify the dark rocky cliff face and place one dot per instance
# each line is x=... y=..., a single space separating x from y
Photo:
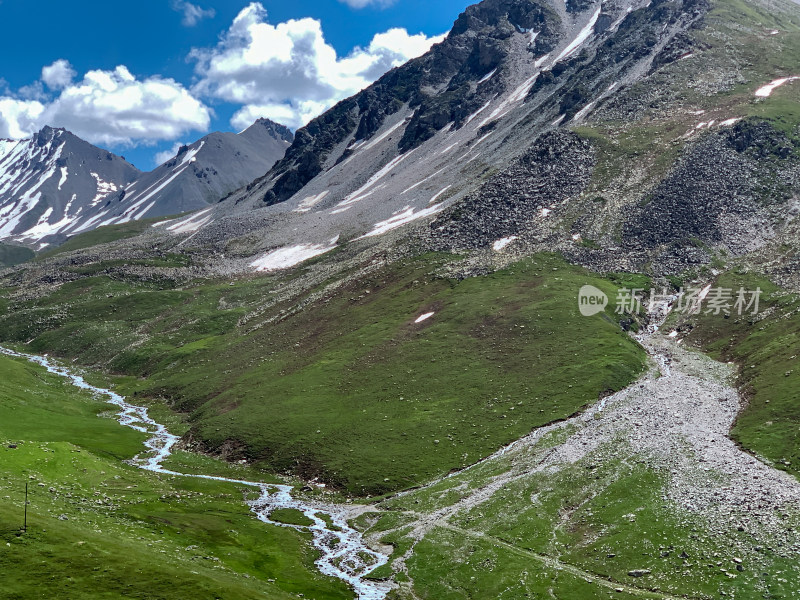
x=448 y=84
x=440 y=86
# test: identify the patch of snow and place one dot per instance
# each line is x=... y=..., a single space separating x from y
x=496 y=114
x=446 y=150
x=64 y=175
x=436 y=197
x=487 y=77
x=69 y=204
x=359 y=193
x=104 y=189
x=545 y=212
x=729 y=122
x=516 y=96
x=191 y=155
x=476 y=113
x=476 y=157
x=766 y=91
x=534 y=35
x=6 y=146
x=522 y=91
x=583 y=112
x=383 y=136
x=12 y=214
x=310 y=202
x=503 y=242
x=290 y=256
x=419 y=183
x=91 y=223
x=356 y=144
x=17 y=173
x=351 y=199
x=576 y=237
x=424 y=317
x=43 y=228
x=483 y=139
x=407 y=215
x=558 y=120
x=673 y=334
x=581 y=38
x=192 y=223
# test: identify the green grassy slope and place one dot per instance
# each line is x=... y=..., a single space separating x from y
x=766 y=348
x=350 y=389
x=575 y=533
x=100 y=529
x=14 y=255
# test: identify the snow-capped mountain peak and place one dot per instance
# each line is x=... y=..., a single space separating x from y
x=52 y=181
x=55 y=185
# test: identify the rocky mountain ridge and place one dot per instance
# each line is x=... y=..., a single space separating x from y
x=428 y=134
x=56 y=185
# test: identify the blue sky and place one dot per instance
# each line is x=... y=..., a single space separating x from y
x=190 y=67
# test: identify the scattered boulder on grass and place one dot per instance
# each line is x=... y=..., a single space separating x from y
x=639 y=572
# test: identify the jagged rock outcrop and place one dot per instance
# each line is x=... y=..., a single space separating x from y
x=444 y=86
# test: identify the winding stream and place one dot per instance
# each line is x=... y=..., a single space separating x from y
x=344 y=554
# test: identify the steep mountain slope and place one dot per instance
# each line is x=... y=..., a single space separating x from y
x=205 y=172
x=518 y=126
x=56 y=185
x=428 y=134
x=53 y=183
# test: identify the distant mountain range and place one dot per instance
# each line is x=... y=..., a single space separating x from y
x=56 y=185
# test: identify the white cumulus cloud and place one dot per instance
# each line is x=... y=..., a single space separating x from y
x=58 y=75
x=109 y=107
x=19 y=118
x=288 y=72
x=113 y=107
